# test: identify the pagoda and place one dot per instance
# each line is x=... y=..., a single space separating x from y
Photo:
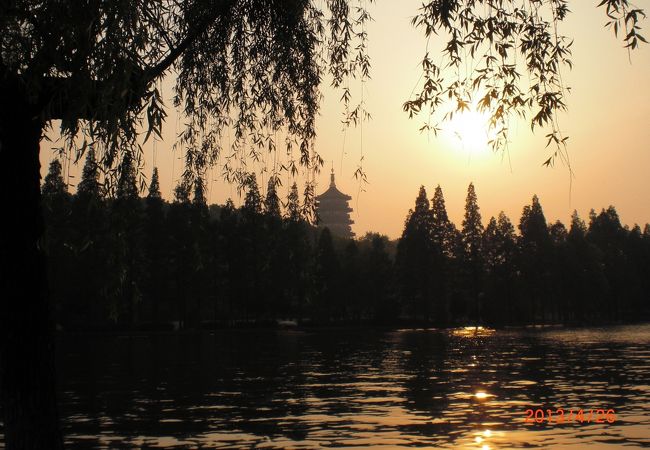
x=334 y=212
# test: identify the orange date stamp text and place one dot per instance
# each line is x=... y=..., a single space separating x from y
x=560 y=415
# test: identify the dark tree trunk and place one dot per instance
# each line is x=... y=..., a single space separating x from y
x=27 y=380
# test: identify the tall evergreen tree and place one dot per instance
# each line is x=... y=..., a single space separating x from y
x=299 y=270
x=535 y=259
x=293 y=204
x=155 y=292
x=253 y=199
x=127 y=186
x=326 y=280
x=272 y=201
x=443 y=230
x=443 y=235
x=377 y=282
x=277 y=253
x=499 y=247
x=472 y=232
x=636 y=285
x=90 y=243
x=607 y=233
x=154 y=186
x=350 y=304
x=89 y=186
x=126 y=246
x=182 y=193
x=415 y=259
x=232 y=269
x=201 y=288
x=180 y=251
x=54 y=183
x=199 y=199
x=254 y=250
x=559 y=261
x=472 y=258
x=56 y=199
x=584 y=269
x=57 y=238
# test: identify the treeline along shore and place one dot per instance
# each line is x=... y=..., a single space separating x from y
x=122 y=262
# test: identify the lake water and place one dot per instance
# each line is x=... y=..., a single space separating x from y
x=363 y=389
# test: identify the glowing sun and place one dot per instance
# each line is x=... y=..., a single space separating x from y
x=469 y=132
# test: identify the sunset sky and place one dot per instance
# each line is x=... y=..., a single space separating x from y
x=608 y=123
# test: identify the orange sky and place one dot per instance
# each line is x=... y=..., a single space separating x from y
x=608 y=123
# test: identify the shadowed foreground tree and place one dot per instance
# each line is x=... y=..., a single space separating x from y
x=96 y=67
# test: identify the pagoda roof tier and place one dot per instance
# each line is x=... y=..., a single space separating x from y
x=333 y=194
x=335 y=209
x=342 y=220
x=332 y=218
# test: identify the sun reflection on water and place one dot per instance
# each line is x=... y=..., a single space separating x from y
x=481 y=395
x=471 y=332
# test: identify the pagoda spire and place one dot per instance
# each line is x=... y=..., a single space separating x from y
x=333 y=210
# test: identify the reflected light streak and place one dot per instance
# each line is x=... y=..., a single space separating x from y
x=470 y=332
x=481 y=395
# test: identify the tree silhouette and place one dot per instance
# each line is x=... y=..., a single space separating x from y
x=377 y=280
x=155 y=247
x=247 y=268
x=558 y=235
x=298 y=255
x=607 y=233
x=54 y=184
x=181 y=252
x=327 y=302
x=253 y=199
x=125 y=243
x=535 y=257
x=444 y=237
x=89 y=188
x=472 y=252
x=272 y=201
x=415 y=259
x=293 y=204
x=57 y=204
x=499 y=251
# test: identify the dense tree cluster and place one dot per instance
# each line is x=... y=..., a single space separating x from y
x=126 y=262
x=544 y=274
x=132 y=263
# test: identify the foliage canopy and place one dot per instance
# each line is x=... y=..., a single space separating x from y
x=505 y=58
